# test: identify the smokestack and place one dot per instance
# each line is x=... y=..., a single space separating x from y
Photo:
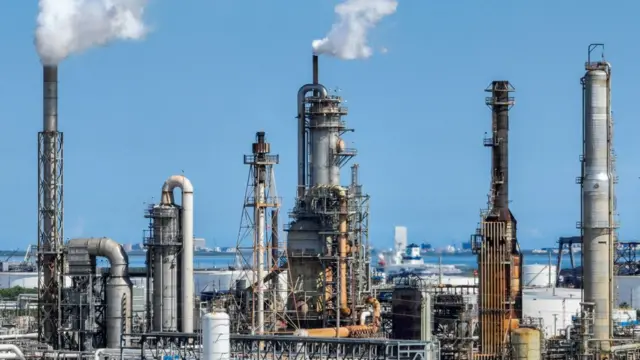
x=50 y=210
x=50 y=93
x=500 y=102
x=315 y=69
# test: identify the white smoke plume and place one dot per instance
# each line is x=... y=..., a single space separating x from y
x=66 y=27
x=347 y=39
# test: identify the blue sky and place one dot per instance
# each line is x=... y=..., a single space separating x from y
x=192 y=95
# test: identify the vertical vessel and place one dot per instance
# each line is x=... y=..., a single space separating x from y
x=495 y=241
x=597 y=194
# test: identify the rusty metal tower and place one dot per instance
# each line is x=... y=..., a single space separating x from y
x=495 y=242
x=259 y=241
x=50 y=216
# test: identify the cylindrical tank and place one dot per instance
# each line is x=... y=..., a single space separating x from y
x=216 y=344
x=538 y=275
x=166 y=248
x=596 y=193
x=526 y=344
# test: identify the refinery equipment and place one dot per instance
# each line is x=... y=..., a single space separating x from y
x=264 y=309
x=82 y=313
x=327 y=241
x=598 y=223
x=495 y=241
x=424 y=310
x=50 y=214
x=170 y=293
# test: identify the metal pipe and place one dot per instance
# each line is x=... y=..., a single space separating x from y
x=568 y=332
x=115 y=352
x=343 y=228
x=119 y=287
x=186 y=283
x=275 y=251
x=260 y=249
x=625 y=347
x=302 y=133
x=363 y=317
x=353 y=330
x=12 y=348
x=19 y=336
x=342 y=245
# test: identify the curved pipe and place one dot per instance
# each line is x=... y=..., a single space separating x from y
x=119 y=287
x=13 y=349
x=302 y=133
x=363 y=317
x=186 y=281
x=568 y=332
x=353 y=330
x=377 y=313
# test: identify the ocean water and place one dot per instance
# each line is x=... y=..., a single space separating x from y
x=462 y=262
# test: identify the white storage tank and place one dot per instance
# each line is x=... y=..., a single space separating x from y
x=537 y=275
x=627 y=291
x=555 y=307
x=216 y=344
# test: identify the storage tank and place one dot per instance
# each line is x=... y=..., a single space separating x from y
x=555 y=306
x=627 y=291
x=216 y=344
x=526 y=344
x=537 y=275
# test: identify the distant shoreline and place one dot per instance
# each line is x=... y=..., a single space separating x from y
x=20 y=253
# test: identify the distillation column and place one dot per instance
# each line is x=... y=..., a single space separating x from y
x=317 y=249
x=495 y=243
x=50 y=214
x=598 y=225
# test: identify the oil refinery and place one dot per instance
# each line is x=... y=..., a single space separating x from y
x=307 y=287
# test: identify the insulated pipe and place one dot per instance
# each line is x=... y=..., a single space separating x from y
x=186 y=281
x=119 y=286
x=13 y=349
x=353 y=330
x=341 y=193
x=115 y=352
x=275 y=251
x=363 y=317
x=19 y=336
x=302 y=133
x=342 y=245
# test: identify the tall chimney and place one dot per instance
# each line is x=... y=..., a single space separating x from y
x=315 y=69
x=50 y=209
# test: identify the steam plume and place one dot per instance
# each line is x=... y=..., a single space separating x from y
x=70 y=26
x=347 y=39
